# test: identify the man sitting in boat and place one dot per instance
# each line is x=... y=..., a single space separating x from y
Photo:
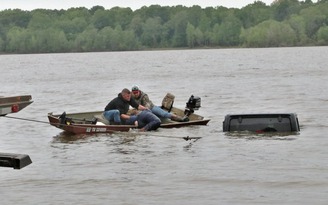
x=144 y=120
x=116 y=110
x=143 y=99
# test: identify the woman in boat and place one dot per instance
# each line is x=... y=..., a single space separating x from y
x=143 y=99
x=116 y=110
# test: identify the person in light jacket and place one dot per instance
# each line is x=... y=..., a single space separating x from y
x=143 y=99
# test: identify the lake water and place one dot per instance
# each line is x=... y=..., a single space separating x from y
x=161 y=168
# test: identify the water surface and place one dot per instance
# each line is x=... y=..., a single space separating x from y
x=131 y=168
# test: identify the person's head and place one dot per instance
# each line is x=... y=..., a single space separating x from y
x=126 y=94
x=135 y=91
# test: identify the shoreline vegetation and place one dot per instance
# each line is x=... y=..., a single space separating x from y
x=284 y=23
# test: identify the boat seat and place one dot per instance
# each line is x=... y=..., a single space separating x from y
x=102 y=119
x=167 y=102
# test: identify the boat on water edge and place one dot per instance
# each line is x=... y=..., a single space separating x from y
x=14 y=104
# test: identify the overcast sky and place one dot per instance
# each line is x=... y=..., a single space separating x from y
x=133 y=4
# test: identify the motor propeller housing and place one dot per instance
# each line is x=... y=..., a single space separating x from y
x=192 y=104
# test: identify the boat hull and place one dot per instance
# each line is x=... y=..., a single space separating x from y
x=83 y=123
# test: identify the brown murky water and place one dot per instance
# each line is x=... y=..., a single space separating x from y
x=144 y=169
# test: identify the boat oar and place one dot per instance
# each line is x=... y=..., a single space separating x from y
x=191 y=138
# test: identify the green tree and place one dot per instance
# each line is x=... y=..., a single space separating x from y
x=72 y=27
x=179 y=23
x=95 y=8
x=190 y=35
x=120 y=17
x=152 y=32
x=15 y=17
x=46 y=41
x=229 y=31
x=283 y=23
x=2 y=45
x=217 y=15
x=40 y=20
x=195 y=36
x=215 y=35
x=297 y=23
x=167 y=33
x=117 y=39
x=285 y=8
x=269 y=34
x=314 y=17
x=129 y=41
x=101 y=19
x=73 y=13
x=85 y=40
x=154 y=11
x=194 y=14
x=16 y=40
x=323 y=35
x=136 y=25
x=254 y=14
x=204 y=23
x=57 y=41
x=102 y=42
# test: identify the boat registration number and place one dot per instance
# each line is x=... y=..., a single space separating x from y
x=96 y=129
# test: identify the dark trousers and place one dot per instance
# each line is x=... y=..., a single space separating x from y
x=148 y=121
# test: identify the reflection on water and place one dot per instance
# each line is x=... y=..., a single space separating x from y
x=121 y=137
x=263 y=136
x=67 y=137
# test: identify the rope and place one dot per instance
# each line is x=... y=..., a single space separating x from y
x=138 y=133
x=18 y=118
x=38 y=121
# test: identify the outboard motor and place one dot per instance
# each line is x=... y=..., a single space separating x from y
x=63 y=120
x=192 y=104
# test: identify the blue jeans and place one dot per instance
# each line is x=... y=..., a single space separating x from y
x=112 y=115
x=159 y=112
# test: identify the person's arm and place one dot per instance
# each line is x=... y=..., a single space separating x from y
x=134 y=104
x=131 y=116
x=140 y=107
x=125 y=116
x=130 y=119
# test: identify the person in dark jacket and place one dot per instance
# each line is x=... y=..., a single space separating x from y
x=116 y=110
x=146 y=120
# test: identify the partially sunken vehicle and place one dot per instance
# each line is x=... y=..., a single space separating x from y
x=260 y=123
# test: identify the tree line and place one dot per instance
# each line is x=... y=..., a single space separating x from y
x=283 y=23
